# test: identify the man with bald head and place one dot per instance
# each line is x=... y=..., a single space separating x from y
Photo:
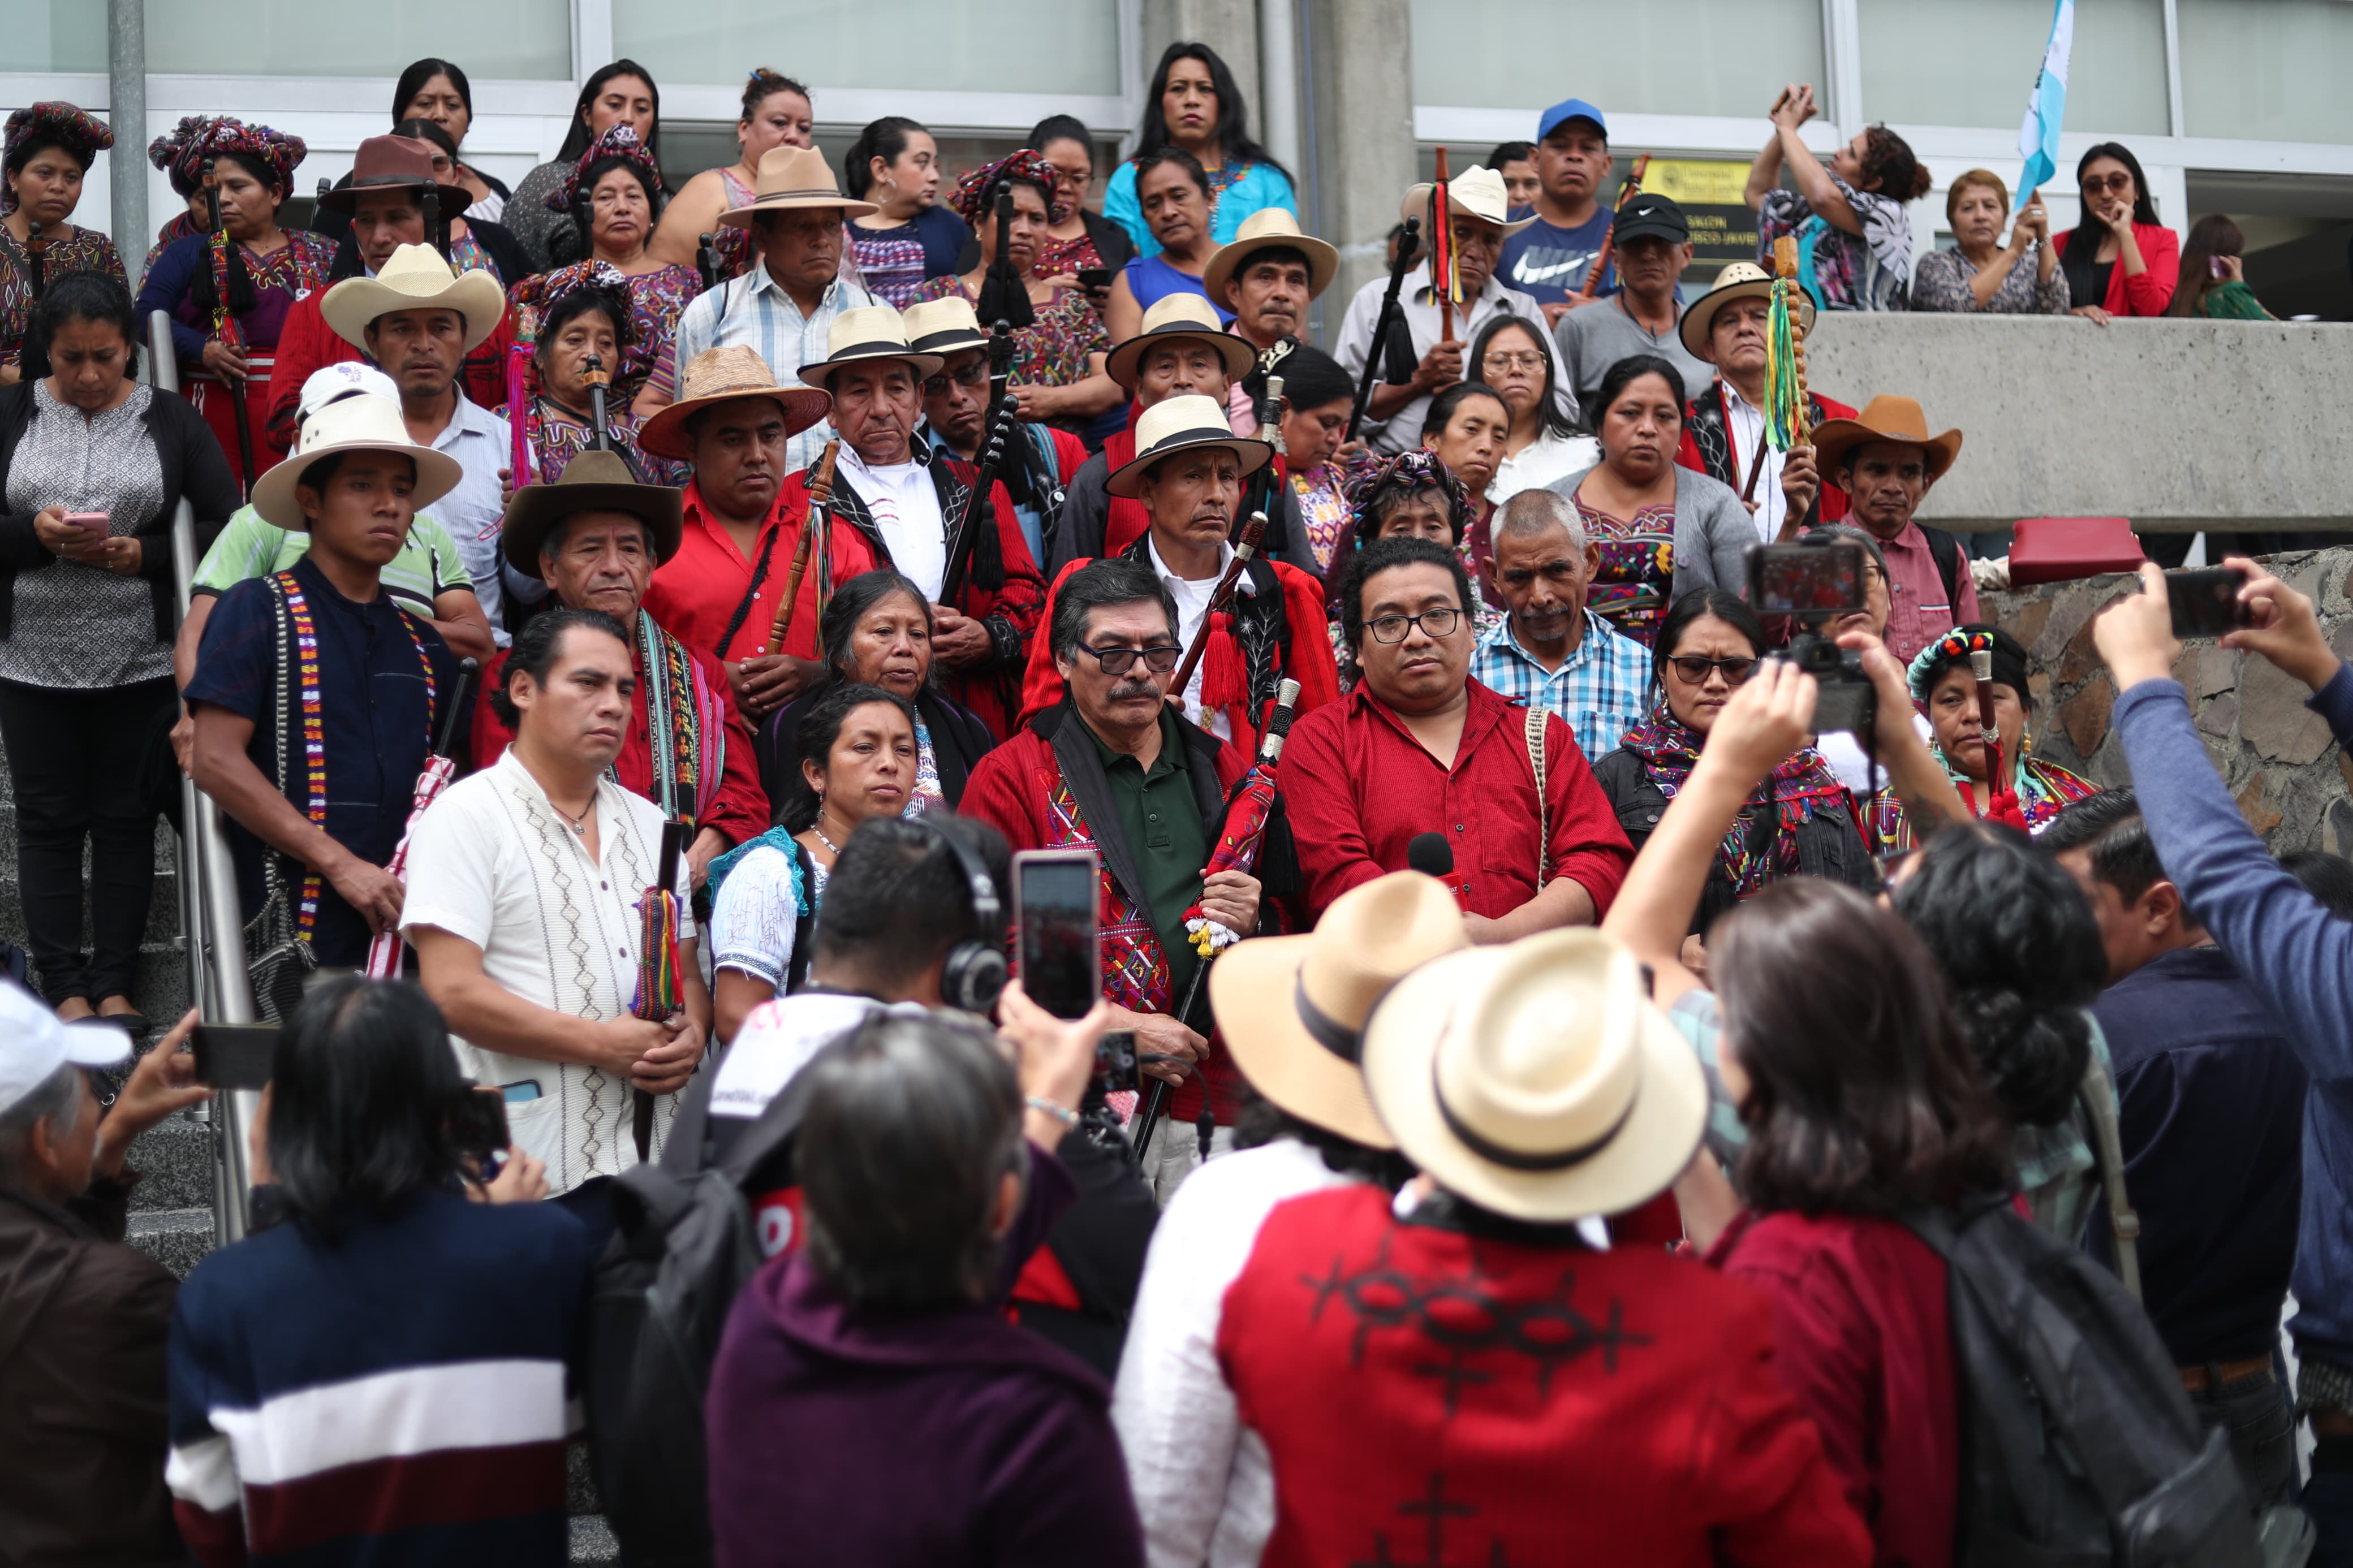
x=1551 y=652
x=594 y=536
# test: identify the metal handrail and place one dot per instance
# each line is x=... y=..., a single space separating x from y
x=211 y=917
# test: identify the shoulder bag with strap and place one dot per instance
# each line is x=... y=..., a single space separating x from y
x=2098 y=1097
x=1533 y=733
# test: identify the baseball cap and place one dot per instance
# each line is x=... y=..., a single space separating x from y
x=33 y=1045
x=333 y=383
x=1569 y=109
x=1652 y=216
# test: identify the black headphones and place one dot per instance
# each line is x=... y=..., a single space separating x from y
x=974 y=974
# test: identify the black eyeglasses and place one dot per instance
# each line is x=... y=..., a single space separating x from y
x=1120 y=660
x=1437 y=623
x=974 y=374
x=1693 y=669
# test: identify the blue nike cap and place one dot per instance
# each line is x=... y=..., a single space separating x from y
x=1569 y=109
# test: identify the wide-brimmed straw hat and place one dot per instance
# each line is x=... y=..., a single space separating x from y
x=593 y=481
x=1184 y=315
x=1741 y=280
x=792 y=178
x=1537 y=1080
x=395 y=163
x=943 y=326
x=720 y=375
x=1293 y=1010
x=365 y=422
x=415 y=279
x=1885 y=418
x=1270 y=228
x=1477 y=192
x=867 y=335
x=1176 y=425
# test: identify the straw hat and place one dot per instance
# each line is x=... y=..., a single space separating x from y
x=415 y=279
x=1270 y=228
x=1176 y=425
x=719 y=375
x=1537 y=1080
x=946 y=326
x=863 y=336
x=395 y=163
x=593 y=481
x=790 y=179
x=1185 y=315
x=365 y=422
x=1741 y=280
x=1476 y=192
x=1294 y=1009
x=1885 y=419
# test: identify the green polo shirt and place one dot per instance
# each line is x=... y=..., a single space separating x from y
x=1165 y=832
x=427 y=566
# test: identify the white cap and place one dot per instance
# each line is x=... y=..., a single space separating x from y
x=33 y=1045
x=333 y=383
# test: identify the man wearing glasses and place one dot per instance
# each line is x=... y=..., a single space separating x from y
x=1420 y=747
x=1115 y=767
x=1039 y=461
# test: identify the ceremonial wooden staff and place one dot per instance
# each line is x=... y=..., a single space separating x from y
x=1981 y=667
x=659 y=992
x=600 y=384
x=224 y=327
x=820 y=497
x=1408 y=244
x=36 y=269
x=1601 y=258
x=1244 y=549
x=1441 y=252
x=1785 y=266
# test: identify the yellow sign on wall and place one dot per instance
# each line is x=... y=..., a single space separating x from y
x=1723 y=229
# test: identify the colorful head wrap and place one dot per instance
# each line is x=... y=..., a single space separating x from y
x=1955 y=647
x=533 y=299
x=182 y=155
x=619 y=139
x=975 y=190
x=80 y=131
x=1418 y=469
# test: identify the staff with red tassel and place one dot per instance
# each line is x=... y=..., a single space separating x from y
x=661 y=995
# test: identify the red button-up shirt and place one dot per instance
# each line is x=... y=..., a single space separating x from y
x=696 y=592
x=1358 y=788
x=1918 y=609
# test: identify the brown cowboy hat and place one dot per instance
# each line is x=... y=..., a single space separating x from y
x=1885 y=418
x=720 y=375
x=791 y=178
x=593 y=481
x=395 y=163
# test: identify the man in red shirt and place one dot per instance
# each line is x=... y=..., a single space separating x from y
x=595 y=536
x=1886 y=460
x=721 y=593
x=1420 y=747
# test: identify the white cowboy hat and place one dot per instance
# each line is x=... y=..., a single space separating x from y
x=1476 y=192
x=1270 y=228
x=792 y=178
x=1176 y=425
x=1293 y=1010
x=1741 y=280
x=1180 y=315
x=365 y=422
x=415 y=279
x=1535 y=1080
x=720 y=375
x=943 y=326
x=863 y=336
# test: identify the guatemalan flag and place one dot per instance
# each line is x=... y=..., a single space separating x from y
x=2046 y=107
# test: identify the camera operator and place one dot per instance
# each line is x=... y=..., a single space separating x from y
x=897 y=913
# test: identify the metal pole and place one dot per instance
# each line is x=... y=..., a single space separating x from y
x=126 y=108
x=1278 y=81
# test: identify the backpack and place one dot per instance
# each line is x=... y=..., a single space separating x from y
x=2078 y=1446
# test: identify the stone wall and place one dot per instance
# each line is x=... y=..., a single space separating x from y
x=2292 y=780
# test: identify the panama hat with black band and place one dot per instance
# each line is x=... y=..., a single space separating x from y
x=870 y=334
x=947 y=326
x=415 y=279
x=1184 y=424
x=1175 y=318
x=1741 y=280
x=1270 y=228
x=593 y=481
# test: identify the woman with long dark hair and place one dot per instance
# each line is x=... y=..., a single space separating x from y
x=2213 y=279
x=911 y=236
x=2119 y=261
x=776 y=113
x=437 y=91
x=615 y=198
x=1543 y=443
x=1195 y=105
x=621 y=93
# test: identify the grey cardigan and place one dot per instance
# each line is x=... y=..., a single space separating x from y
x=1713 y=532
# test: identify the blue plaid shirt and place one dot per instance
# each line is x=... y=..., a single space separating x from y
x=1600 y=691
x=754 y=309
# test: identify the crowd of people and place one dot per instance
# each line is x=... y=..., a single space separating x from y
x=1549 y=1099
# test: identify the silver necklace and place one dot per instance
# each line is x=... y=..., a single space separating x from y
x=817 y=827
x=579 y=825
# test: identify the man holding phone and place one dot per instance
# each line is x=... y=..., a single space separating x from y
x=1116 y=769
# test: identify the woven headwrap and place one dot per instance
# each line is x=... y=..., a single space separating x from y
x=83 y=132
x=538 y=294
x=1953 y=648
x=619 y=139
x=181 y=154
x=1418 y=469
x=199 y=137
x=975 y=190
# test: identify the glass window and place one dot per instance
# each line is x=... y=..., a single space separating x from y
x=1931 y=62
x=2266 y=69
x=1661 y=57
x=1055 y=46
x=490 y=40
x=52 y=36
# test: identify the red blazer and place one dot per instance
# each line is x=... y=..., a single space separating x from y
x=2152 y=291
x=307 y=343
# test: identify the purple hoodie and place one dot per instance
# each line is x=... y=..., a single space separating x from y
x=926 y=1438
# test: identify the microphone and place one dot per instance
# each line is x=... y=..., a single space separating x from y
x=1431 y=855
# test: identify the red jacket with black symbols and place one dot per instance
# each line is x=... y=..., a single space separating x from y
x=1011 y=610
x=1707 y=447
x=1430 y=1396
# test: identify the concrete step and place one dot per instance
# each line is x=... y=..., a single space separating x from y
x=591 y=1540
x=177 y=1239
x=174 y=1161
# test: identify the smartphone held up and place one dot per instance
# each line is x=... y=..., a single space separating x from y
x=2205 y=601
x=1055 y=903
